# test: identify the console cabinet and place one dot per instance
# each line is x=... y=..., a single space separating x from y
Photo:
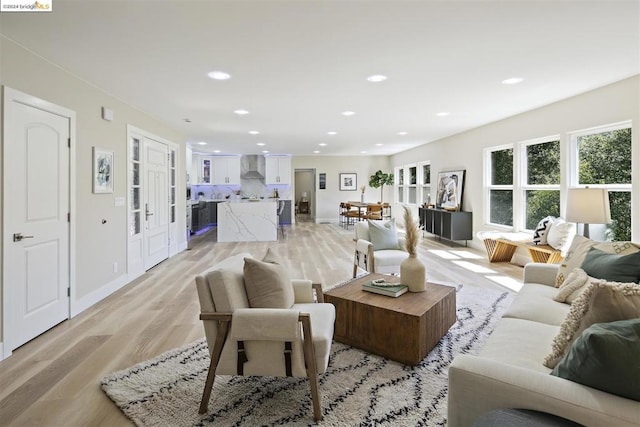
x=446 y=224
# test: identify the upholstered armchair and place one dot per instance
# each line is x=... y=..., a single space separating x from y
x=256 y=328
x=379 y=247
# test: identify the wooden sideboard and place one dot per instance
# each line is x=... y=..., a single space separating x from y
x=447 y=225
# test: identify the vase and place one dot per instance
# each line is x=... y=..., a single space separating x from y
x=412 y=274
x=362 y=198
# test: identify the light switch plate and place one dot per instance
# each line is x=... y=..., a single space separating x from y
x=119 y=201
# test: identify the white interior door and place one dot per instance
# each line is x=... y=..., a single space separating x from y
x=156 y=203
x=36 y=227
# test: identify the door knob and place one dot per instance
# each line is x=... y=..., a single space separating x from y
x=146 y=211
x=17 y=237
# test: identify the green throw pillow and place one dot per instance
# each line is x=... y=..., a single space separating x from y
x=612 y=267
x=605 y=357
x=383 y=234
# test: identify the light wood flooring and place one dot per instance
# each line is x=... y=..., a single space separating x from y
x=54 y=379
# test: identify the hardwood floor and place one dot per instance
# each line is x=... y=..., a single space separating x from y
x=54 y=379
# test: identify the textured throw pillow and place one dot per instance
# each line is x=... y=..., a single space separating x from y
x=578 y=251
x=267 y=284
x=572 y=286
x=605 y=357
x=540 y=233
x=560 y=234
x=383 y=234
x=612 y=267
x=600 y=301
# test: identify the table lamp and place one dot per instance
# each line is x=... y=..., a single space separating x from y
x=588 y=206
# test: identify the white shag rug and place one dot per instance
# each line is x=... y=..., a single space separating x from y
x=359 y=388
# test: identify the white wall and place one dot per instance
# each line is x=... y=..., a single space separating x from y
x=98 y=246
x=610 y=104
x=328 y=200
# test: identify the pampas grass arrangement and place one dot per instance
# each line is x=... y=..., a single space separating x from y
x=412 y=227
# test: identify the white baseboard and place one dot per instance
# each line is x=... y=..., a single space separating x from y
x=2 y=355
x=78 y=305
x=182 y=247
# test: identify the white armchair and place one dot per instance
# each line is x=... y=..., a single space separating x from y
x=379 y=249
x=249 y=341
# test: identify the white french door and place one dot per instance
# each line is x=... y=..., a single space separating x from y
x=155 y=211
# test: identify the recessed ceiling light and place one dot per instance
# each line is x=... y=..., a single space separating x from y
x=348 y=113
x=202 y=143
x=379 y=145
x=260 y=143
x=442 y=113
x=265 y=151
x=216 y=151
x=323 y=144
x=512 y=81
x=402 y=133
x=376 y=78
x=241 y=112
x=219 y=75
x=332 y=133
x=316 y=152
x=363 y=152
x=254 y=132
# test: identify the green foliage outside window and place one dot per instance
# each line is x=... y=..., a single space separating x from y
x=605 y=158
x=502 y=167
x=543 y=163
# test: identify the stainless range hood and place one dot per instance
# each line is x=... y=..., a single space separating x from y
x=252 y=167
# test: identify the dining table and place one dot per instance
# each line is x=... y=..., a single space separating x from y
x=360 y=206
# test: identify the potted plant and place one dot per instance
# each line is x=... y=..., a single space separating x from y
x=379 y=180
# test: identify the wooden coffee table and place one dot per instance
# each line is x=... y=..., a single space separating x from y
x=403 y=329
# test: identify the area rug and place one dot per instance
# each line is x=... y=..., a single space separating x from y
x=359 y=388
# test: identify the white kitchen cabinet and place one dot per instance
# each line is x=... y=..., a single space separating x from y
x=205 y=170
x=277 y=170
x=225 y=170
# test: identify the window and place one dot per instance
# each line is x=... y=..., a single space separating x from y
x=400 y=185
x=425 y=182
x=542 y=181
x=413 y=185
x=172 y=185
x=604 y=161
x=500 y=186
x=134 y=187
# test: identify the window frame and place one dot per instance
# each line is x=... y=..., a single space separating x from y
x=488 y=186
x=421 y=184
x=523 y=183
x=573 y=173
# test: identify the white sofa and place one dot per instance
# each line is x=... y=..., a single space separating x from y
x=509 y=373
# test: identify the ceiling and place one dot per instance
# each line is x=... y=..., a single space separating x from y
x=297 y=65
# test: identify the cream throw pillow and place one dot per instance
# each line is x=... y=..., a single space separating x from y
x=267 y=283
x=599 y=302
x=560 y=233
x=572 y=287
x=578 y=251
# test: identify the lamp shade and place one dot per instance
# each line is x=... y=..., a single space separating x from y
x=588 y=206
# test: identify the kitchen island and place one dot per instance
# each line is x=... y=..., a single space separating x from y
x=248 y=221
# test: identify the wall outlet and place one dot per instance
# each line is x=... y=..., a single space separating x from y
x=115 y=267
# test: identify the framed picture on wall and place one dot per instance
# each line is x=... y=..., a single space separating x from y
x=322 y=182
x=450 y=189
x=348 y=181
x=102 y=170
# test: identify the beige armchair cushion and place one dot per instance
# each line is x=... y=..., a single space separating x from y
x=267 y=285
